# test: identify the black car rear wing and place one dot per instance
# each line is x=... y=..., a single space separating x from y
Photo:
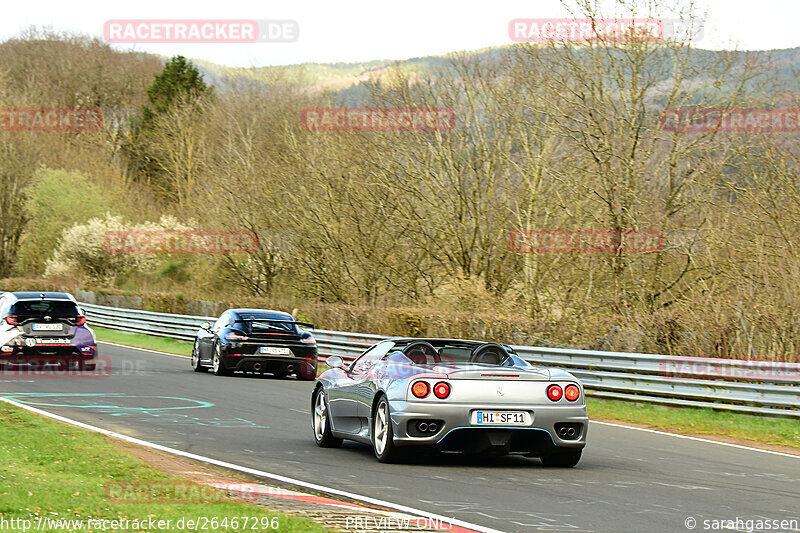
x=304 y=324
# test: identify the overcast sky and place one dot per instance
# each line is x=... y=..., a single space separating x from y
x=359 y=30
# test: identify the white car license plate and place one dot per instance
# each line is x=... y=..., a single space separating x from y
x=47 y=327
x=272 y=350
x=501 y=418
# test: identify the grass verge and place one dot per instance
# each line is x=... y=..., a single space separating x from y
x=55 y=471
x=149 y=342
x=690 y=420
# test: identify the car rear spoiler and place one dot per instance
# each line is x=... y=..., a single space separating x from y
x=304 y=324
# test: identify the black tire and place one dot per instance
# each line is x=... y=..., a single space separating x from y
x=217 y=366
x=320 y=422
x=196 y=366
x=562 y=459
x=383 y=436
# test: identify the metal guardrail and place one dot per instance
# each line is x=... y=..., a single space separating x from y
x=758 y=387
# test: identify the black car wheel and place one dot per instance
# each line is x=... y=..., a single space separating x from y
x=216 y=363
x=320 y=421
x=196 y=359
x=562 y=459
x=382 y=434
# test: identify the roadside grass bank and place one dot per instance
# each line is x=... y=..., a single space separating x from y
x=696 y=421
x=53 y=471
x=149 y=342
x=688 y=420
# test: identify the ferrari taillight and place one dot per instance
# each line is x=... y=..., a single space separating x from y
x=420 y=389
x=554 y=392
x=235 y=337
x=441 y=390
x=572 y=392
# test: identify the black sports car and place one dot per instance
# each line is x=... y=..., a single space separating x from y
x=256 y=340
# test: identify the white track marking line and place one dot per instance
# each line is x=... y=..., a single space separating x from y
x=698 y=439
x=144 y=349
x=253 y=471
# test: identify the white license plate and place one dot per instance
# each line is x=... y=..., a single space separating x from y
x=272 y=350
x=501 y=418
x=47 y=327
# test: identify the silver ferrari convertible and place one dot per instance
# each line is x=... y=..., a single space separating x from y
x=450 y=396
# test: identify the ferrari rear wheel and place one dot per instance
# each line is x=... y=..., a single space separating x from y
x=320 y=422
x=382 y=434
x=562 y=459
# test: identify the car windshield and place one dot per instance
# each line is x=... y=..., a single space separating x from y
x=44 y=308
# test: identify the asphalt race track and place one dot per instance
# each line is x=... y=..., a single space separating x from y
x=627 y=480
